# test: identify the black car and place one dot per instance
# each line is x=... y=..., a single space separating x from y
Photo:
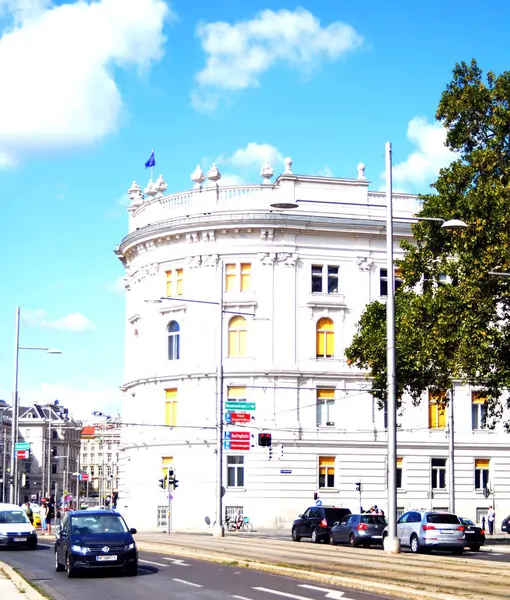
x=95 y=539
x=316 y=522
x=359 y=530
x=505 y=525
x=475 y=535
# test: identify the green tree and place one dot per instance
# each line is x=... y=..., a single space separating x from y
x=452 y=317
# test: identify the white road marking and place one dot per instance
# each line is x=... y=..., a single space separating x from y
x=241 y=597
x=335 y=594
x=177 y=561
x=151 y=562
x=278 y=593
x=187 y=582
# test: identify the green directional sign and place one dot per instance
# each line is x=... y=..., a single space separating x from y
x=22 y=446
x=239 y=406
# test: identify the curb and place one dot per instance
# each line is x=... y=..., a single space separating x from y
x=22 y=586
x=350 y=582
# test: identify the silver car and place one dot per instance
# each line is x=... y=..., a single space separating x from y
x=423 y=530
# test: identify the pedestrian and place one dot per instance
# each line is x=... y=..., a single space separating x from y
x=29 y=512
x=50 y=515
x=44 y=513
x=491 y=517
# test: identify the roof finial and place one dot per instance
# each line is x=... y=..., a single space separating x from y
x=361 y=171
x=198 y=177
x=288 y=166
x=266 y=172
x=214 y=174
x=135 y=194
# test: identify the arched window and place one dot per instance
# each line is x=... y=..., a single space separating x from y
x=237 y=334
x=174 y=341
x=325 y=338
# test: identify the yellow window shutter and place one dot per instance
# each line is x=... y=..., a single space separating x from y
x=400 y=463
x=482 y=463
x=236 y=392
x=171 y=394
x=330 y=343
x=169 y=411
x=325 y=393
x=326 y=461
x=320 y=343
x=230 y=277
x=432 y=415
x=179 y=273
x=167 y=460
x=245 y=276
x=233 y=347
x=169 y=284
x=242 y=343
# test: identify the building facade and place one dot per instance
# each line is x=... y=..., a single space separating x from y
x=240 y=313
x=100 y=459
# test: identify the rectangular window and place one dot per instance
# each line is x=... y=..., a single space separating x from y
x=169 y=284
x=481 y=473
x=53 y=469
x=326 y=471
x=438 y=473
x=238 y=277
x=437 y=410
x=325 y=407
x=324 y=279
x=479 y=409
x=171 y=407
x=400 y=467
x=174 y=283
x=180 y=277
x=235 y=471
x=236 y=393
x=383 y=280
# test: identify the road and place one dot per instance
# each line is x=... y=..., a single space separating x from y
x=163 y=576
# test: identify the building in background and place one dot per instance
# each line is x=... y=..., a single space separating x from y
x=100 y=459
x=231 y=302
x=5 y=450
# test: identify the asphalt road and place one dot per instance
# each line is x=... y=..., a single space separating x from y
x=164 y=576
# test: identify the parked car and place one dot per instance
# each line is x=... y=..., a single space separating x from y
x=475 y=535
x=505 y=525
x=92 y=540
x=316 y=522
x=424 y=530
x=15 y=528
x=358 y=530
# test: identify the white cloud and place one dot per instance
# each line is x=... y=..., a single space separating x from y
x=73 y=322
x=81 y=400
x=232 y=179
x=117 y=285
x=237 y=55
x=253 y=155
x=57 y=63
x=422 y=166
x=325 y=172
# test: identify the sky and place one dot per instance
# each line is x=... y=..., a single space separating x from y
x=89 y=88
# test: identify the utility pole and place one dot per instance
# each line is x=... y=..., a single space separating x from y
x=451 y=450
x=220 y=532
x=49 y=453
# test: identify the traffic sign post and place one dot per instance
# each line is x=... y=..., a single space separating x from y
x=237 y=435
x=22 y=454
x=236 y=445
x=22 y=446
x=240 y=406
x=237 y=417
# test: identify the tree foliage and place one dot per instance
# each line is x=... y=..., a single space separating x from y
x=457 y=330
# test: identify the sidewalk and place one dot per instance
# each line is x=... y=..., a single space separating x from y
x=14 y=587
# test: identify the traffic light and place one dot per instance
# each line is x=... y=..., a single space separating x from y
x=264 y=439
x=175 y=483
x=315 y=496
x=358 y=486
x=162 y=483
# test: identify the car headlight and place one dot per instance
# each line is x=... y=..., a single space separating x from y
x=80 y=549
x=129 y=547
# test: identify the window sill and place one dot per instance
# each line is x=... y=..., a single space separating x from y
x=321 y=300
x=234 y=488
x=173 y=307
x=333 y=489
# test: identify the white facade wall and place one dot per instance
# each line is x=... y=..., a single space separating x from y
x=197 y=232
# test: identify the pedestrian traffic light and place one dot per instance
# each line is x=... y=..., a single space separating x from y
x=358 y=486
x=162 y=483
x=264 y=439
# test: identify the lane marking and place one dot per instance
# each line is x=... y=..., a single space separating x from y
x=177 y=561
x=187 y=582
x=335 y=594
x=278 y=593
x=241 y=597
x=151 y=562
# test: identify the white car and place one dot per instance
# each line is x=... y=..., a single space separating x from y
x=15 y=528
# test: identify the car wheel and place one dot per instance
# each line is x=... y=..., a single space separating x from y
x=58 y=566
x=352 y=541
x=295 y=535
x=132 y=570
x=315 y=537
x=475 y=548
x=71 y=571
x=415 y=544
x=331 y=539
x=458 y=551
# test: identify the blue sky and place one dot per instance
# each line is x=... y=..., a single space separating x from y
x=90 y=88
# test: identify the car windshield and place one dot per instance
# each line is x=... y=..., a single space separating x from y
x=90 y=524
x=373 y=519
x=444 y=518
x=467 y=522
x=335 y=514
x=13 y=516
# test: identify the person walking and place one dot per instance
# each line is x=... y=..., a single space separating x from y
x=50 y=515
x=29 y=512
x=491 y=517
x=44 y=513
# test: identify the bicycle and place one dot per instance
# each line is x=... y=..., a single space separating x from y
x=247 y=525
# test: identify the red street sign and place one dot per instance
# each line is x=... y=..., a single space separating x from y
x=239 y=435
x=84 y=476
x=22 y=454
x=238 y=417
x=240 y=445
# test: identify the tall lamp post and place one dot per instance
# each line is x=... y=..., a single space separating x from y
x=392 y=543
x=13 y=487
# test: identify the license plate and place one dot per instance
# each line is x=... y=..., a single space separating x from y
x=448 y=531
x=377 y=537
x=20 y=539
x=107 y=558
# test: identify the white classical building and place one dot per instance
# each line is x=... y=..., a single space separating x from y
x=271 y=297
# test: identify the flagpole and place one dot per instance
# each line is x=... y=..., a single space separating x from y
x=152 y=167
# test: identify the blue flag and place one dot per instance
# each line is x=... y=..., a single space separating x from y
x=151 y=162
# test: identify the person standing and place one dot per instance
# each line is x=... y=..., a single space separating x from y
x=44 y=513
x=491 y=517
x=50 y=515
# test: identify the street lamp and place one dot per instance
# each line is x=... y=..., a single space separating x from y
x=13 y=487
x=392 y=543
